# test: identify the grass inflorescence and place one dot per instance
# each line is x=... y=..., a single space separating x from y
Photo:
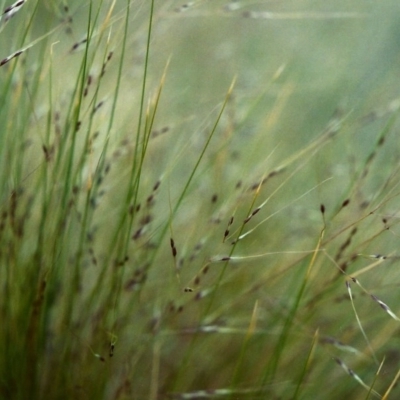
x=198 y=200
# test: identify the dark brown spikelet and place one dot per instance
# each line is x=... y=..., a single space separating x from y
x=14 y=6
x=98 y=105
x=157 y=132
x=88 y=83
x=226 y=233
x=76 y=45
x=252 y=215
x=173 y=248
x=272 y=174
x=9 y=58
x=183 y=7
x=103 y=69
x=47 y=152
x=346 y=203
x=10 y=11
x=150 y=199
x=345 y=244
x=156 y=186
x=146 y=220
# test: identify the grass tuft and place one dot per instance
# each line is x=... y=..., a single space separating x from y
x=199 y=200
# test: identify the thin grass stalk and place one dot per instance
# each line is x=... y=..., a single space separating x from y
x=273 y=364
x=134 y=179
x=306 y=367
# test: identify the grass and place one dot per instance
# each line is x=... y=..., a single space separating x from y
x=199 y=200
